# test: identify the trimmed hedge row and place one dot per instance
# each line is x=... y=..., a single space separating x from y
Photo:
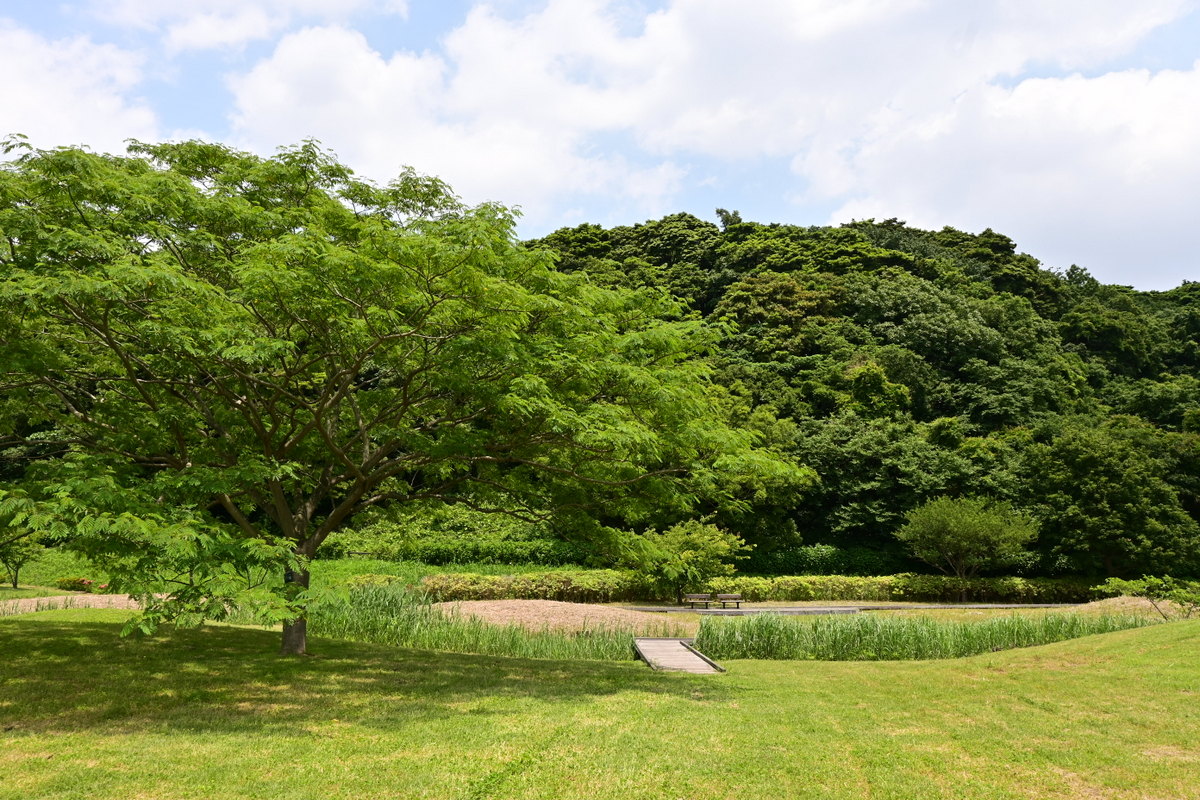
x=591 y=586
x=605 y=586
x=906 y=586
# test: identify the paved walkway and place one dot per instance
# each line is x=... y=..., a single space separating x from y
x=674 y=655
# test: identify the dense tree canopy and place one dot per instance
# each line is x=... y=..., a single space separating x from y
x=234 y=356
x=903 y=365
x=214 y=362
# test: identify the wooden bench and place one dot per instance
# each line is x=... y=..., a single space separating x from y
x=693 y=599
x=736 y=599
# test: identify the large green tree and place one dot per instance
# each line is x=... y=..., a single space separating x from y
x=241 y=354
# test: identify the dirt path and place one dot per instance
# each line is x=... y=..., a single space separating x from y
x=28 y=605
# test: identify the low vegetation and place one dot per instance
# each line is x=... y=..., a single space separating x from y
x=617 y=585
x=213 y=714
x=389 y=614
x=867 y=637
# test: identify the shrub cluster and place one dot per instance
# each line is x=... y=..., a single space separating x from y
x=906 y=586
x=602 y=586
x=826 y=559
x=449 y=549
x=75 y=584
x=590 y=586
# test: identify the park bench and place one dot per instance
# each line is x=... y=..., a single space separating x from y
x=736 y=599
x=693 y=599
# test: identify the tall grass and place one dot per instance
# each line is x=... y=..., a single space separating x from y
x=388 y=614
x=51 y=603
x=867 y=637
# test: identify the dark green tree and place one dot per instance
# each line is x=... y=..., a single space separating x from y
x=1104 y=501
x=963 y=535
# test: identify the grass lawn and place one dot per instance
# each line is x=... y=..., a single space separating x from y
x=213 y=713
x=9 y=593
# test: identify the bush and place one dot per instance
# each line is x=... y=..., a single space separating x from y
x=1185 y=595
x=961 y=536
x=76 y=585
x=455 y=535
x=827 y=559
x=685 y=556
x=592 y=586
x=607 y=586
x=442 y=550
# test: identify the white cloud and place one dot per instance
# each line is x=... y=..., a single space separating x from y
x=1097 y=171
x=922 y=109
x=70 y=91
x=206 y=24
x=491 y=136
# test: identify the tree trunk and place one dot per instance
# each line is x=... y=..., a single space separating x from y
x=295 y=637
x=295 y=632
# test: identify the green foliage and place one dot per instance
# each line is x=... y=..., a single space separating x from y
x=904 y=364
x=455 y=535
x=235 y=356
x=686 y=556
x=16 y=552
x=906 y=586
x=1185 y=595
x=605 y=586
x=826 y=559
x=962 y=536
x=76 y=584
x=387 y=613
x=1103 y=498
x=590 y=586
x=19 y=542
x=872 y=637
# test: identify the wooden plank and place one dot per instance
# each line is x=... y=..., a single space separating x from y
x=674 y=655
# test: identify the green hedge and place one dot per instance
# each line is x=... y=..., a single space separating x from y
x=906 y=587
x=604 y=586
x=443 y=550
x=826 y=559
x=591 y=586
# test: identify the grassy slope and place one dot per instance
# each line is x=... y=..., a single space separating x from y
x=9 y=593
x=214 y=714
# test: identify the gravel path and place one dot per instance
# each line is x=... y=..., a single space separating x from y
x=28 y=605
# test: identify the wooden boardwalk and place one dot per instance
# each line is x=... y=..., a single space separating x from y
x=674 y=655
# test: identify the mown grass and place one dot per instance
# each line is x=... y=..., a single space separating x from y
x=9 y=593
x=868 y=637
x=215 y=714
x=390 y=615
x=54 y=563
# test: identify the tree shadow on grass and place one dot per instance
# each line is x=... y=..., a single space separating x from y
x=66 y=676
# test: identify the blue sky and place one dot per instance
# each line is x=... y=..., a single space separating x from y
x=1070 y=126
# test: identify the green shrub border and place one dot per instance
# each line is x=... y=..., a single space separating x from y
x=608 y=586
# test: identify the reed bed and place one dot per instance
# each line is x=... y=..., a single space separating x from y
x=389 y=614
x=29 y=605
x=866 y=637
